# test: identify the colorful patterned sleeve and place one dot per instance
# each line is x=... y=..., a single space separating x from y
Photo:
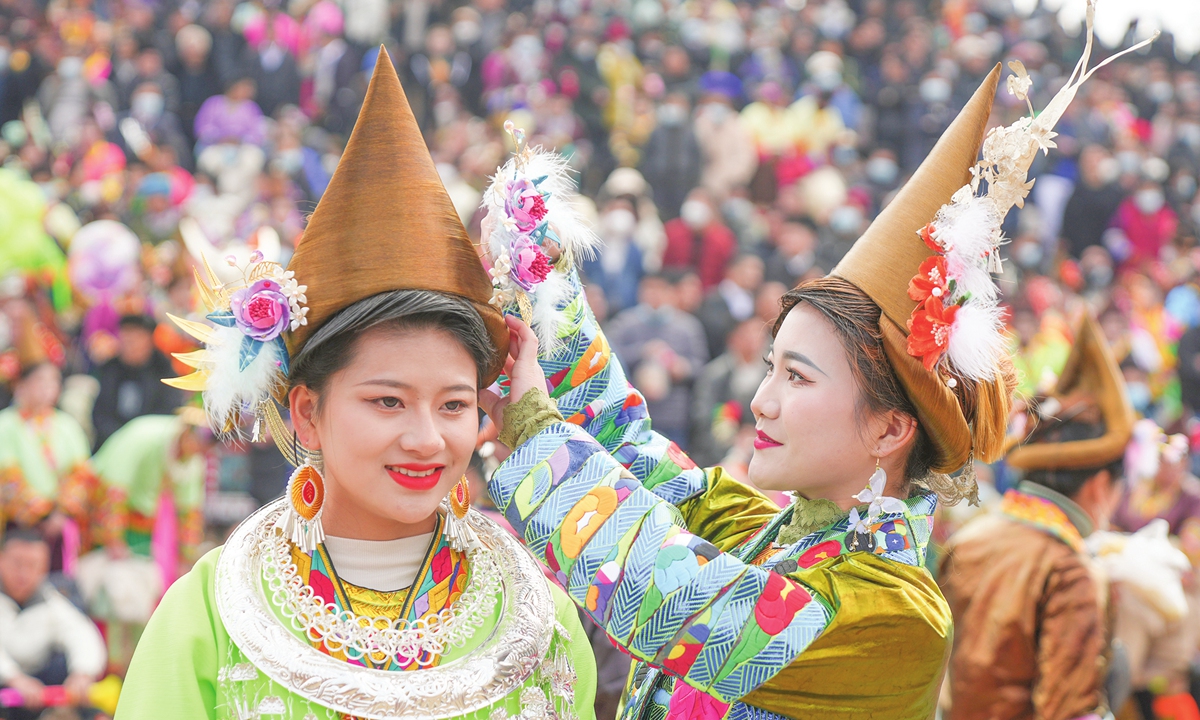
x=664 y=595
x=589 y=385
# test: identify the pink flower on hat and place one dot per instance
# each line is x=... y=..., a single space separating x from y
x=261 y=311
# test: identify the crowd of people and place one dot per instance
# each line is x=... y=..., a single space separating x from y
x=724 y=151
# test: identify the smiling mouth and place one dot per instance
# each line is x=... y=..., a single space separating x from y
x=416 y=477
x=763 y=441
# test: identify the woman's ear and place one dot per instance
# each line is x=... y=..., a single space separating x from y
x=303 y=404
x=894 y=431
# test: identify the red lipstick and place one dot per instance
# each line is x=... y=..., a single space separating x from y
x=764 y=441
x=416 y=476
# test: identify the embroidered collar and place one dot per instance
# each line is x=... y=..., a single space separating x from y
x=1048 y=511
x=438 y=584
x=900 y=537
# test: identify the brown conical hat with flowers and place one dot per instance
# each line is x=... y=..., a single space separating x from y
x=887 y=256
x=1091 y=387
x=387 y=223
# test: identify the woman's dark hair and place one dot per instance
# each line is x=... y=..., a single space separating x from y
x=331 y=347
x=1069 y=482
x=27 y=370
x=855 y=319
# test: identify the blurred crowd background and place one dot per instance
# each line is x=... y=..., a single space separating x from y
x=725 y=151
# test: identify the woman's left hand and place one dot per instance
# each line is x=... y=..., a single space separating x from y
x=524 y=372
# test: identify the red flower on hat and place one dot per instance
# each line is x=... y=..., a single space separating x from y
x=926 y=234
x=929 y=331
x=931 y=280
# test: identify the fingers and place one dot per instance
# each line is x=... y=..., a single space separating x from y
x=488 y=400
x=521 y=338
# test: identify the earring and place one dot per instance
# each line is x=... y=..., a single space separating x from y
x=459 y=534
x=301 y=523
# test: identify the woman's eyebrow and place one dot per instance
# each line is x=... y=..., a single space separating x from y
x=801 y=358
x=405 y=386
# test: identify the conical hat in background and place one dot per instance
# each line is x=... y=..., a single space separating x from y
x=387 y=223
x=31 y=351
x=888 y=255
x=1090 y=379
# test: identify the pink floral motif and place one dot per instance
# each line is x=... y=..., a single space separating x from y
x=524 y=204
x=688 y=703
x=530 y=265
x=261 y=311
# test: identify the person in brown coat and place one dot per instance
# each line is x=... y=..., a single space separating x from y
x=1029 y=606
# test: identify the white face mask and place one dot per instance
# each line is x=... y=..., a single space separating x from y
x=846 y=220
x=466 y=32
x=147 y=106
x=1148 y=201
x=70 y=68
x=1185 y=187
x=935 y=90
x=882 y=170
x=716 y=113
x=695 y=214
x=672 y=115
x=1108 y=171
x=1028 y=255
x=619 y=222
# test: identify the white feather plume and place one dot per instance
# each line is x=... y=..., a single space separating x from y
x=574 y=235
x=231 y=390
x=977 y=340
x=969 y=232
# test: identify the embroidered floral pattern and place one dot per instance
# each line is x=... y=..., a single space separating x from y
x=1043 y=515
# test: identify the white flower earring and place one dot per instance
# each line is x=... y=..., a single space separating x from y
x=878 y=505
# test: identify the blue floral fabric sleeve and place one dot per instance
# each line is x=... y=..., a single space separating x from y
x=666 y=596
x=589 y=385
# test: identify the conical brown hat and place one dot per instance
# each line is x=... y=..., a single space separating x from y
x=386 y=223
x=31 y=352
x=1090 y=379
x=888 y=255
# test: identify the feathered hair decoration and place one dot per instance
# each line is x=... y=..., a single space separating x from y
x=533 y=234
x=958 y=317
x=244 y=363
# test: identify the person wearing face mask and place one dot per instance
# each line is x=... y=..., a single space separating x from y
x=274 y=69
x=198 y=76
x=671 y=160
x=576 y=72
x=928 y=116
x=698 y=239
x=1148 y=223
x=618 y=266
x=1093 y=202
x=826 y=106
x=1030 y=607
x=66 y=97
x=729 y=156
x=666 y=350
x=148 y=109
